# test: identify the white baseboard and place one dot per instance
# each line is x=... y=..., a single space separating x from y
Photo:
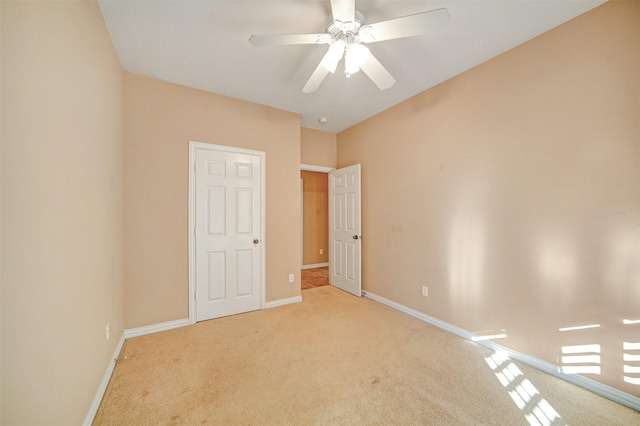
x=132 y=332
x=315 y=265
x=282 y=302
x=155 y=328
x=601 y=389
x=421 y=316
x=97 y=399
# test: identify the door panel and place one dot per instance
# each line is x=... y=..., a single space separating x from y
x=336 y=265
x=228 y=277
x=217 y=207
x=216 y=274
x=345 y=229
x=338 y=212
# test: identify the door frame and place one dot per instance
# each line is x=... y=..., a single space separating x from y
x=193 y=147
x=312 y=168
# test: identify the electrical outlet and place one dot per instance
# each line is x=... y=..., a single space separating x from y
x=291 y=278
x=321 y=251
x=425 y=291
x=106 y=332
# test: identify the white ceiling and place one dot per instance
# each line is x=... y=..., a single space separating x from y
x=204 y=45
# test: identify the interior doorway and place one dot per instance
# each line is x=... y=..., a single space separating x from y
x=314 y=210
x=344 y=227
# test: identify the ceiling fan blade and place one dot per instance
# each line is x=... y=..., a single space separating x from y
x=280 y=39
x=343 y=10
x=408 y=26
x=377 y=72
x=316 y=79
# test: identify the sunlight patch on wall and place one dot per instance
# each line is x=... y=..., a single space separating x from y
x=622 y=260
x=557 y=265
x=631 y=357
x=467 y=248
x=581 y=359
x=489 y=335
x=537 y=410
x=466 y=258
x=579 y=327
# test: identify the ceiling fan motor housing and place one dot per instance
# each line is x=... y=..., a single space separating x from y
x=350 y=29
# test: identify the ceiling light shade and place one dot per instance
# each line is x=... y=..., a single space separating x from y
x=333 y=56
x=355 y=56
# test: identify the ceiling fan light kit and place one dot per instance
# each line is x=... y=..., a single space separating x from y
x=333 y=56
x=345 y=36
x=354 y=58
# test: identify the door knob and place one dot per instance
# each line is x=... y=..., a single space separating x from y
x=256 y=241
x=355 y=237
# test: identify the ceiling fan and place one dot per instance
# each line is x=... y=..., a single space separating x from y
x=346 y=35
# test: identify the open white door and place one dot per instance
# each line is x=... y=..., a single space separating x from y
x=345 y=230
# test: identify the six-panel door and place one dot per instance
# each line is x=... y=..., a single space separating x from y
x=345 y=229
x=228 y=222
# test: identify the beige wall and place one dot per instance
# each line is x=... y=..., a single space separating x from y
x=513 y=192
x=160 y=120
x=62 y=230
x=315 y=217
x=1 y=133
x=318 y=148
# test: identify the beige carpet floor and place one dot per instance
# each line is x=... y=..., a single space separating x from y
x=335 y=359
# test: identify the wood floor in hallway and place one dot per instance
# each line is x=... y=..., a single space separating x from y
x=315 y=277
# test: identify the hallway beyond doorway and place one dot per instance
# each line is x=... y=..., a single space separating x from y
x=315 y=277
